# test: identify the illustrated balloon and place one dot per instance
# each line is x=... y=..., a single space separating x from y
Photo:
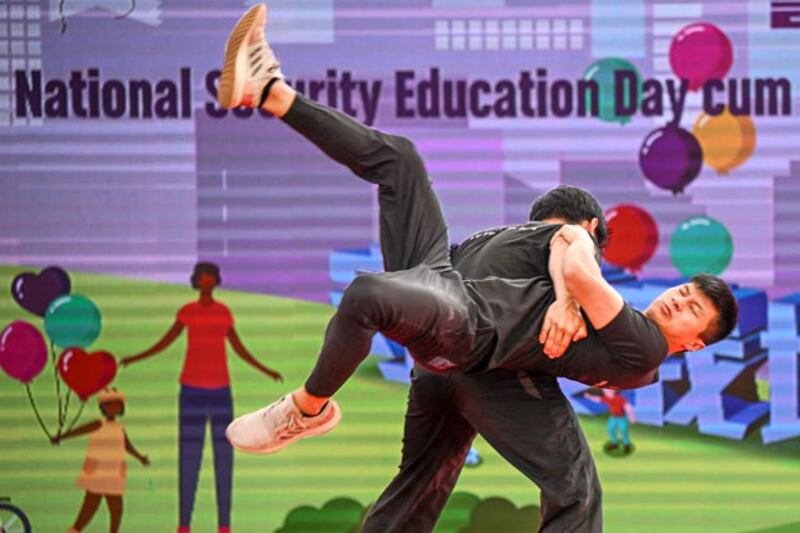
x=34 y=292
x=701 y=244
x=86 y=373
x=633 y=236
x=603 y=72
x=23 y=351
x=727 y=140
x=670 y=157
x=700 y=52
x=72 y=320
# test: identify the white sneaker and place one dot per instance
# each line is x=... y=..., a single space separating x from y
x=249 y=61
x=279 y=424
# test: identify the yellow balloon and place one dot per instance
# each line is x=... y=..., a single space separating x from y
x=727 y=140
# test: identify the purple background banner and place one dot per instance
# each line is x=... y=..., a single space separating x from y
x=147 y=196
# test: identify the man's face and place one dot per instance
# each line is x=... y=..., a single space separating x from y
x=682 y=314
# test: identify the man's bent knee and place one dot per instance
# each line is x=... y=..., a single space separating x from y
x=362 y=293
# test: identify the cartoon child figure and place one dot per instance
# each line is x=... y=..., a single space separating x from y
x=105 y=470
x=620 y=413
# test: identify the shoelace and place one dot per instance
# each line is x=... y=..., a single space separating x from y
x=292 y=427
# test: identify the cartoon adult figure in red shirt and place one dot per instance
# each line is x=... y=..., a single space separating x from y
x=205 y=394
x=620 y=413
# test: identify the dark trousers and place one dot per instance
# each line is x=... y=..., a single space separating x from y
x=197 y=408
x=420 y=301
x=525 y=418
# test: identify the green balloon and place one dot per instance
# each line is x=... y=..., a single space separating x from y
x=72 y=320
x=701 y=244
x=603 y=72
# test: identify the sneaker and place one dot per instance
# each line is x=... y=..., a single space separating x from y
x=627 y=449
x=249 y=62
x=275 y=426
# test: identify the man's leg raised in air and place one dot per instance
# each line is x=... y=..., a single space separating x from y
x=425 y=310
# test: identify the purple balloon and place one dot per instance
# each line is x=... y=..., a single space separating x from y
x=34 y=292
x=23 y=352
x=671 y=157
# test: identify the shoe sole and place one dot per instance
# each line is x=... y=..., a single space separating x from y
x=230 y=89
x=319 y=430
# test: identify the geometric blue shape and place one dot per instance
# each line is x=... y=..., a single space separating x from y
x=709 y=376
x=752 y=311
x=574 y=390
x=300 y=21
x=608 y=16
x=344 y=265
x=396 y=370
x=782 y=340
x=740 y=348
x=653 y=401
x=616 y=275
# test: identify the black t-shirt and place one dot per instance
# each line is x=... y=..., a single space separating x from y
x=513 y=252
x=626 y=353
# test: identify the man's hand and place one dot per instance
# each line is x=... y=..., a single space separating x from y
x=562 y=325
x=127 y=361
x=275 y=375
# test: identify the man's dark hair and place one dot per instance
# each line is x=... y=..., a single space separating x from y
x=205 y=268
x=574 y=205
x=724 y=301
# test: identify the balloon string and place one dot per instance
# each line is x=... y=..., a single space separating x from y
x=36 y=410
x=61 y=415
x=677 y=115
x=66 y=406
x=77 y=416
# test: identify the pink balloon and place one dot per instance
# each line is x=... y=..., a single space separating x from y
x=700 y=52
x=23 y=352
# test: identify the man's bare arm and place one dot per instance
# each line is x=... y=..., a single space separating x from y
x=584 y=281
x=563 y=322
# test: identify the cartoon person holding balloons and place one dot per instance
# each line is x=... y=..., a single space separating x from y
x=105 y=470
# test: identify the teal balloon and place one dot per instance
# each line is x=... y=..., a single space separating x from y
x=603 y=73
x=701 y=245
x=72 y=321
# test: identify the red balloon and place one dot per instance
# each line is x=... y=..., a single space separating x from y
x=632 y=236
x=86 y=373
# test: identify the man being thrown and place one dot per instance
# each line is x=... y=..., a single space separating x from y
x=447 y=323
x=525 y=417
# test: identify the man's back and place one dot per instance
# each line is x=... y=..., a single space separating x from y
x=513 y=252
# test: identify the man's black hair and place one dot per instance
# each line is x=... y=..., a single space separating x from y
x=724 y=301
x=574 y=205
x=205 y=268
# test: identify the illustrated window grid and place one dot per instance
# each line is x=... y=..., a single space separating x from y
x=509 y=34
x=20 y=49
